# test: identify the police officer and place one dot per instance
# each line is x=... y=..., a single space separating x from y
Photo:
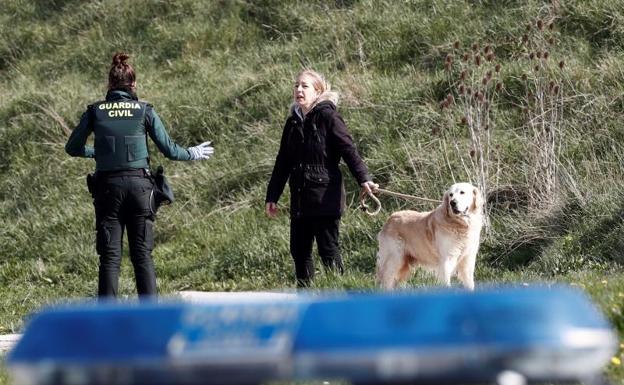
x=123 y=186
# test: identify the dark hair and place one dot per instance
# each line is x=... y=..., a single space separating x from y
x=121 y=74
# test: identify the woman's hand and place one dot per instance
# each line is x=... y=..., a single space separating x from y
x=368 y=187
x=271 y=209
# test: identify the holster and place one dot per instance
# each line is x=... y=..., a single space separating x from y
x=162 y=194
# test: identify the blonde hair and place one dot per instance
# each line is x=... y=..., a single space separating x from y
x=319 y=83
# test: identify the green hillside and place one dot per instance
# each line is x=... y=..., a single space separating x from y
x=223 y=70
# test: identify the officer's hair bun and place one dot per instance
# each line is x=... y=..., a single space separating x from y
x=120 y=59
x=121 y=74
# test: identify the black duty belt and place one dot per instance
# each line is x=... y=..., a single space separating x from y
x=119 y=173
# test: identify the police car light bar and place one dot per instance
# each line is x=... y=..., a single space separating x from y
x=537 y=334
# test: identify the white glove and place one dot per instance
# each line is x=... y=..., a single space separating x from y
x=201 y=151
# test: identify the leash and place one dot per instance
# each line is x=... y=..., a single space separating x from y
x=364 y=206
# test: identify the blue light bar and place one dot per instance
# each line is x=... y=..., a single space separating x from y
x=541 y=333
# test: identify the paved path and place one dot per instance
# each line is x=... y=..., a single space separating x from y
x=7 y=341
x=235 y=296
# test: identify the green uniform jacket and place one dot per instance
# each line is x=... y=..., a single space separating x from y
x=76 y=144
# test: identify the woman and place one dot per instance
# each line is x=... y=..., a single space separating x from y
x=123 y=185
x=314 y=140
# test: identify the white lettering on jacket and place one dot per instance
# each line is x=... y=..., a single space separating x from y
x=120 y=109
x=119 y=113
x=119 y=105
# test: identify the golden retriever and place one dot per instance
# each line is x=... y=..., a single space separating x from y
x=445 y=240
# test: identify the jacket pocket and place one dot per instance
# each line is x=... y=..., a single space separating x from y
x=318 y=194
x=105 y=145
x=136 y=147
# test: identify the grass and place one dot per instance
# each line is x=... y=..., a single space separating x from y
x=223 y=71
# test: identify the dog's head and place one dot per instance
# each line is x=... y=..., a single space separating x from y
x=463 y=199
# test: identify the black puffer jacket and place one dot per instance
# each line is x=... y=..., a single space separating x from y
x=308 y=158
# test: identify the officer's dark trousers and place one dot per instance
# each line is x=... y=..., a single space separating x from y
x=303 y=232
x=122 y=202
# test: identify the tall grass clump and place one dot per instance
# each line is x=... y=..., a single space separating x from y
x=543 y=106
x=474 y=84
